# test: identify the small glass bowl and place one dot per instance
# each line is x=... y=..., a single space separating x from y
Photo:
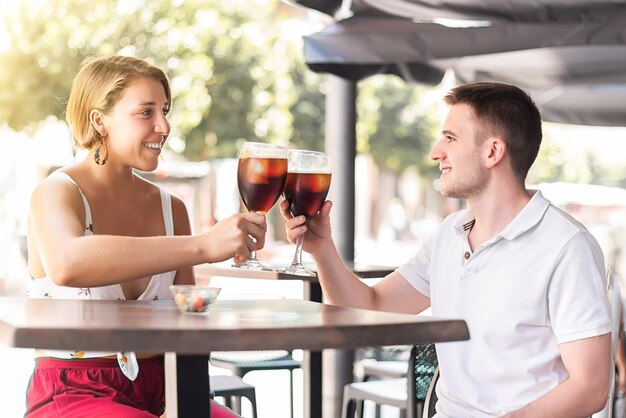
x=196 y=299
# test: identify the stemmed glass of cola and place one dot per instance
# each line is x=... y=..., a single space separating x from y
x=308 y=181
x=261 y=175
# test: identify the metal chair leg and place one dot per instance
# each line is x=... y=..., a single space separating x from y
x=349 y=409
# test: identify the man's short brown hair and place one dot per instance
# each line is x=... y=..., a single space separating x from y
x=505 y=111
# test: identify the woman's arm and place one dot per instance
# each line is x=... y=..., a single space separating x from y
x=70 y=258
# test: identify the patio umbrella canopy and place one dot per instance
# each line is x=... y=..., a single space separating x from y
x=570 y=55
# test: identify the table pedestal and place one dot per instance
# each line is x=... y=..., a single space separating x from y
x=186 y=381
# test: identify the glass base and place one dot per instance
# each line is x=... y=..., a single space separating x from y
x=252 y=264
x=299 y=270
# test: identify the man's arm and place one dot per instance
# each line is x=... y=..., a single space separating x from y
x=341 y=286
x=391 y=294
x=585 y=391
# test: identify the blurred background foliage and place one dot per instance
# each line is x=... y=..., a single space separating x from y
x=235 y=66
x=237 y=73
x=397 y=125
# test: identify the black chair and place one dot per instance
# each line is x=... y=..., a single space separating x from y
x=406 y=394
x=431 y=397
x=232 y=389
x=240 y=363
x=422 y=372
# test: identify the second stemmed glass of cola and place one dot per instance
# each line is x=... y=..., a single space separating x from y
x=308 y=181
x=261 y=177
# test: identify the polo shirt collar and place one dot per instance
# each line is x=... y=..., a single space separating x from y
x=464 y=223
x=527 y=218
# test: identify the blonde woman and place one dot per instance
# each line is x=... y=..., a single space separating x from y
x=99 y=231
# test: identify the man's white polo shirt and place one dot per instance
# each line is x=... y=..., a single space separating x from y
x=537 y=284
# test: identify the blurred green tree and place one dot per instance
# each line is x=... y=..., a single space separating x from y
x=396 y=124
x=216 y=55
x=307 y=108
x=235 y=75
x=556 y=163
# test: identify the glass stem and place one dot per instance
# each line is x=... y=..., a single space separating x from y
x=297 y=258
x=252 y=257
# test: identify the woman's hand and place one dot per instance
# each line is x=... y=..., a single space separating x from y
x=235 y=237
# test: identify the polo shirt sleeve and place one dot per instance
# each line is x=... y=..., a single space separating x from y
x=415 y=270
x=577 y=300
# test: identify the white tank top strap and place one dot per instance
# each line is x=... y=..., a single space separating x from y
x=166 y=206
x=88 y=221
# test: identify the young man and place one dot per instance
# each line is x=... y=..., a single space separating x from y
x=527 y=278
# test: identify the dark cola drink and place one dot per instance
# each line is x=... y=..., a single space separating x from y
x=261 y=181
x=306 y=192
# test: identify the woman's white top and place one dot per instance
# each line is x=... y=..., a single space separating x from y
x=157 y=289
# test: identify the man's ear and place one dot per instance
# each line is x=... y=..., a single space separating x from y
x=97 y=121
x=495 y=149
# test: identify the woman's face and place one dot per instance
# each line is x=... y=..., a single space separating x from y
x=137 y=126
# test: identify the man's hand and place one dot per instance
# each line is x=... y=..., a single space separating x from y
x=317 y=233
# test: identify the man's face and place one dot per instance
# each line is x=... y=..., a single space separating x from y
x=463 y=174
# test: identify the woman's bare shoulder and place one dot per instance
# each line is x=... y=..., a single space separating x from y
x=59 y=183
x=57 y=195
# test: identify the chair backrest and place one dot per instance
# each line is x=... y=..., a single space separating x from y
x=431 y=397
x=422 y=366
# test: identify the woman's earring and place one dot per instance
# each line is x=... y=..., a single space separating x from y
x=100 y=157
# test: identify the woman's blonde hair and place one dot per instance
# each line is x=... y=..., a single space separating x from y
x=99 y=84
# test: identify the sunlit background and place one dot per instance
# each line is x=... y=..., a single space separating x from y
x=237 y=74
